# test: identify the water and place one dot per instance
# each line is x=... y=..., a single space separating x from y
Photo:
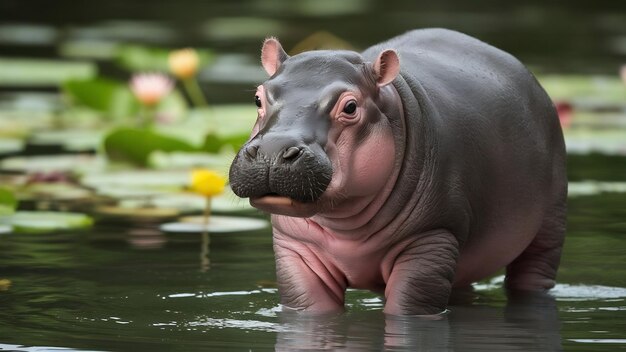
x=115 y=290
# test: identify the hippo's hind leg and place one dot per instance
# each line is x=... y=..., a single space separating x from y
x=535 y=269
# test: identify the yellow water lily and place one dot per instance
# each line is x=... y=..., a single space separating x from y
x=207 y=182
x=184 y=63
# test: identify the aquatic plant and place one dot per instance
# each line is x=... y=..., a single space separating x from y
x=184 y=64
x=207 y=183
x=150 y=89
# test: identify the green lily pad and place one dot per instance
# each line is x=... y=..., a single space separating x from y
x=70 y=140
x=11 y=145
x=140 y=180
x=69 y=162
x=48 y=221
x=136 y=214
x=8 y=202
x=58 y=191
x=110 y=97
x=135 y=145
x=39 y=72
x=183 y=160
x=216 y=224
x=4 y=229
x=190 y=202
x=584 y=89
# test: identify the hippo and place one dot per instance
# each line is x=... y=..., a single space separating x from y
x=422 y=164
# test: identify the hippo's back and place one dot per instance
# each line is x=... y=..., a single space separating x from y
x=499 y=145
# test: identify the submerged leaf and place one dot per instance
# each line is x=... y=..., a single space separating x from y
x=48 y=221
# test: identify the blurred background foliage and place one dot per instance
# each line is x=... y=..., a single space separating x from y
x=65 y=68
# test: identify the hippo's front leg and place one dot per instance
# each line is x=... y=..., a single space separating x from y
x=421 y=277
x=305 y=283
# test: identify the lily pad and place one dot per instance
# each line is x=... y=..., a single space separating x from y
x=184 y=160
x=48 y=163
x=190 y=202
x=136 y=214
x=70 y=140
x=137 y=180
x=135 y=145
x=4 y=229
x=45 y=222
x=59 y=191
x=113 y=98
x=217 y=224
x=39 y=72
x=11 y=145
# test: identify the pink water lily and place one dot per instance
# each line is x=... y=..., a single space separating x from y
x=150 y=88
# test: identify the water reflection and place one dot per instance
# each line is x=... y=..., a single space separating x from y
x=525 y=323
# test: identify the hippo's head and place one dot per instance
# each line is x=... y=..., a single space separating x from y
x=322 y=135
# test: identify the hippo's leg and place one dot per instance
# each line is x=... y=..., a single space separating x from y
x=305 y=283
x=535 y=269
x=421 y=278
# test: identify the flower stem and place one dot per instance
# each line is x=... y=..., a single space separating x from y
x=195 y=93
x=147 y=117
x=207 y=214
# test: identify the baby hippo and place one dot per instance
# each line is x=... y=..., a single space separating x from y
x=426 y=162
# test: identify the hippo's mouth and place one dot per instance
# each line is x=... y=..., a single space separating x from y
x=277 y=204
x=273 y=199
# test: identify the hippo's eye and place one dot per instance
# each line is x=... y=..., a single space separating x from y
x=257 y=101
x=350 y=107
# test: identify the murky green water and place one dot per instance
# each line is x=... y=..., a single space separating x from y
x=115 y=290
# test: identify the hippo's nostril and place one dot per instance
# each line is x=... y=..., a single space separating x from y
x=291 y=152
x=252 y=151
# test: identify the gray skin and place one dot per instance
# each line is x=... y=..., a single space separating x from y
x=454 y=169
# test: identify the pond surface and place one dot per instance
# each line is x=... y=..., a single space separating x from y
x=114 y=290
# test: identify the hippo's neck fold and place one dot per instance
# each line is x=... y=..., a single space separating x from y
x=365 y=216
x=405 y=200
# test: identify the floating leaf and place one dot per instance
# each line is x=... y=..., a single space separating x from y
x=216 y=224
x=38 y=72
x=110 y=97
x=48 y=221
x=136 y=214
x=135 y=145
x=8 y=202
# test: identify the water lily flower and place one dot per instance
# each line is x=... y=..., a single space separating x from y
x=565 y=110
x=622 y=73
x=184 y=63
x=207 y=182
x=150 y=88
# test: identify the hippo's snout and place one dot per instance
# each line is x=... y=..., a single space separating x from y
x=280 y=166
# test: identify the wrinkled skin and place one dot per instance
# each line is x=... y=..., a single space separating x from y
x=426 y=162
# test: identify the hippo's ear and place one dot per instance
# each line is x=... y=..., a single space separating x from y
x=272 y=55
x=386 y=67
